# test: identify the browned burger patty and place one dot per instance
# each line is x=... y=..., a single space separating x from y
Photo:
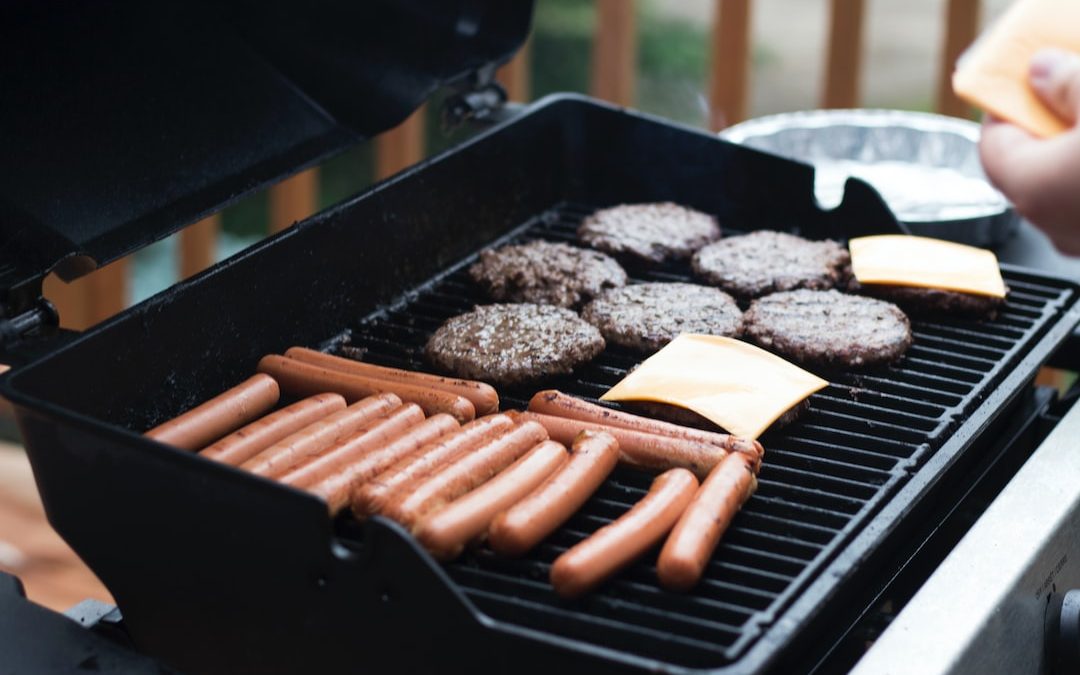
x=931 y=301
x=511 y=344
x=649 y=232
x=689 y=418
x=546 y=273
x=763 y=262
x=645 y=317
x=829 y=328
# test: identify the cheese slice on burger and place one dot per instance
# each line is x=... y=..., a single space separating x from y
x=923 y=262
x=732 y=383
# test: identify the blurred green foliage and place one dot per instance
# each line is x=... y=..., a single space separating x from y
x=561 y=47
x=672 y=56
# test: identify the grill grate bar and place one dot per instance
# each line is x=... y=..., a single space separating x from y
x=1015 y=317
x=590 y=626
x=878 y=427
x=823 y=481
x=1032 y=289
x=1021 y=297
x=892 y=415
x=885 y=386
x=884 y=400
x=779 y=562
x=958 y=346
x=993 y=329
x=974 y=367
x=963 y=336
x=806 y=532
x=644 y=602
x=931 y=375
x=808 y=462
x=816 y=450
x=849 y=438
x=809 y=496
x=651 y=597
x=396 y=334
x=801 y=512
x=749 y=576
x=713 y=586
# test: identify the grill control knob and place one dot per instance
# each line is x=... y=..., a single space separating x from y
x=1063 y=634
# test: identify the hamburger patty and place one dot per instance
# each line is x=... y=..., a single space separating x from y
x=756 y=264
x=689 y=418
x=511 y=344
x=929 y=301
x=645 y=317
x=649 y=232
x=546 y=273
x=829 y=328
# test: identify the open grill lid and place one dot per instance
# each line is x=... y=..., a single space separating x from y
x=124 y=121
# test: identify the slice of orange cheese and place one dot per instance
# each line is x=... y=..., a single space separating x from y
x=902 y=260
x=740 y=387
x=993 y=74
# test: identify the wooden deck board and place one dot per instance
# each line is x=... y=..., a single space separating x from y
x=30 y=549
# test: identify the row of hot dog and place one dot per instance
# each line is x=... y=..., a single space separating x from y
x=408 y=446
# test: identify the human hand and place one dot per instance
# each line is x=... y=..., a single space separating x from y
x=1041 y=176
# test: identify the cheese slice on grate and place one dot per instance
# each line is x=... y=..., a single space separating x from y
x=901 y=260
x=993 y=74
x=740 y=387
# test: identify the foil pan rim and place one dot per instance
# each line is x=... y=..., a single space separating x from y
x=925 y=165
x=857 y=117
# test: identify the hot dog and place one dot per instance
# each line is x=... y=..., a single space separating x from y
x=592 y=457
x=692 y=542
x=373 y=496
x=319 y=435
x=368 y=439
x=646 y=451
x=222 y=414
x=468 y=472
x=248 y=441
x=446 y=531
x=483 y=396
x=615 y=545
x=303 y=379
x=357 y=458
x=552 y=402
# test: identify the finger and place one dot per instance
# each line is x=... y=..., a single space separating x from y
x=1055 y=76
x=1004 y=150
x=1039 y=176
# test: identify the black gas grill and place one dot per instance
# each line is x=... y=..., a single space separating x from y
x=219 y=571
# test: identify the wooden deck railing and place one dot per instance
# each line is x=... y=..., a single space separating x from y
x=613 y=74
x=729 y=63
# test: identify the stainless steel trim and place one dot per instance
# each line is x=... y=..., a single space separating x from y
x=983 y=609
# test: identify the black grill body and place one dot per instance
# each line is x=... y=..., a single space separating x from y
x=219 y=571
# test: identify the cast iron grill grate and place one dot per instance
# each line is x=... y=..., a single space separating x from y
x=823 y=477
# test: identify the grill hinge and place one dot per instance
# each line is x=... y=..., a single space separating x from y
x=480 y=98
x=15 y=328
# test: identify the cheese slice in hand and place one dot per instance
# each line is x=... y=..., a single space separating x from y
x=993 y=74
x=732 y=383
x=902 y=260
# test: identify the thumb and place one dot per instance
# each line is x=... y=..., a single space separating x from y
x=1055 y=76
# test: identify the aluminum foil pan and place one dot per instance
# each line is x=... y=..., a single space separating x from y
x=926 y=167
